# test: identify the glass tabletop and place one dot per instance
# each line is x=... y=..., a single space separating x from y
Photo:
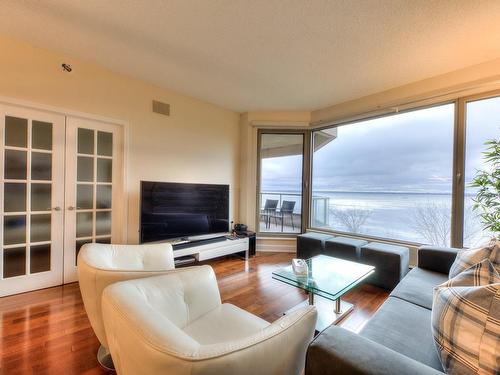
x=328 y=277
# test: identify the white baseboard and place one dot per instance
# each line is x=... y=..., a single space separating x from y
x=276 y=248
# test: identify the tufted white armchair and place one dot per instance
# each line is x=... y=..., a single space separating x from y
x=176 y=324
x=100 y=265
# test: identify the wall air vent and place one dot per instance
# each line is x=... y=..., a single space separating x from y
x=161 y=108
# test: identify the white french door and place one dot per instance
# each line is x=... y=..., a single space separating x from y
x=61 y=186
x=94 y=187
x=32 y=197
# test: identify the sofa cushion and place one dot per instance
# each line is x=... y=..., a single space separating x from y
x=469 y=257
x=406 y=329
x=390 y=261
x=311 y=244
x=435 y=258
x=465 y=321
x=338 y=351
x=417 y=286
x=344 y=247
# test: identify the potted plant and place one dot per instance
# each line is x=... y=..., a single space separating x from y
x=487 y=181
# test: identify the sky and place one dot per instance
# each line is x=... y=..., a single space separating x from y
x=406 y=152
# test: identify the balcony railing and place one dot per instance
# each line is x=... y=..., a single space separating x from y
x=271 y=222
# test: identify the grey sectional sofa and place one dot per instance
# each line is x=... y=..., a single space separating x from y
x=398 y=338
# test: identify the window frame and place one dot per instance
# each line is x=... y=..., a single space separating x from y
x=461 y=140
x=306 y=134
x=458 y=165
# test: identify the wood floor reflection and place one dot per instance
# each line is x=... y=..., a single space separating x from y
x=47 y=331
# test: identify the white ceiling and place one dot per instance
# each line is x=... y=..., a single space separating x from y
x=265 y=54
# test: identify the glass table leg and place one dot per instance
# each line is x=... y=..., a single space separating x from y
x=327 y=314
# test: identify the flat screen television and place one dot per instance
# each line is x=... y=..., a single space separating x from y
x=171 y=210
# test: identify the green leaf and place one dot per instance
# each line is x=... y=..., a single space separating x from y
x=487 y=181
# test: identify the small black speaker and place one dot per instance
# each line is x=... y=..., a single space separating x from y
x=252 y=241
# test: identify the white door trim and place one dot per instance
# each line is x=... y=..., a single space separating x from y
x=23 y=283
x=87 y=116
x=56 y=110
x=71 y=209
x=60 y=110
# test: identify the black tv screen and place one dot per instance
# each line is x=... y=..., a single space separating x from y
x=177 y=210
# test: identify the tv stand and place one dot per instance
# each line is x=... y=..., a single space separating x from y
x=204 y=237
x=210 y=248
x=187 y=242
x=179 y=241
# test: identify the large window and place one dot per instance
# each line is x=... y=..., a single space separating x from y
x=482 y=124
x=404 y=176
x=388 y=177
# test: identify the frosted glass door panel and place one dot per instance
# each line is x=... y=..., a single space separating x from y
x=93 y=187
x=32 y=187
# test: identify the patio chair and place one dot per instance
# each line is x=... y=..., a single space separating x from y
x=287 y=208
x=269 y=210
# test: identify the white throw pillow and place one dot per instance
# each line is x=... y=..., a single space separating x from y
x=466 y=321
x=468 y=257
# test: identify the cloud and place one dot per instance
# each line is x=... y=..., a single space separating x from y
x=411 y=151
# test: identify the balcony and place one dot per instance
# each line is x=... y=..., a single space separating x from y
x=273 y=221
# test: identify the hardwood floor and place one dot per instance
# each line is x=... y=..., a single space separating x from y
x=47 y=331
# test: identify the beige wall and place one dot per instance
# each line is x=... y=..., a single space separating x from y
x=199 y=142
x=474 y=79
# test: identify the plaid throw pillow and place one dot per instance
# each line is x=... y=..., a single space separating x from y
x=466 y=321
x=469 y=257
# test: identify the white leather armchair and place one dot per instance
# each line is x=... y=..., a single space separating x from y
x=100 y=265
x=176 y=324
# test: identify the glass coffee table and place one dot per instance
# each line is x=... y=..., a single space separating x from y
x=329 y=278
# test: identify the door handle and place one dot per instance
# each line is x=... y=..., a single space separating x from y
x=55 y=208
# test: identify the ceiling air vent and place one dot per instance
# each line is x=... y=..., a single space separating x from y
x=161 y=108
